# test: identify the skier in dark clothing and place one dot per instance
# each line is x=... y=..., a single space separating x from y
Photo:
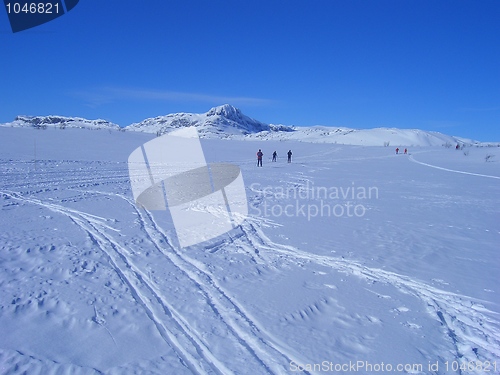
x=275 y=155
x=289 y=153
x=259 y=158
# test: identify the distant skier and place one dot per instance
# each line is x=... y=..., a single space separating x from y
x=406 y=151
x=259 y=158
x=275 y=155
x=397 y=151
x=289 y=153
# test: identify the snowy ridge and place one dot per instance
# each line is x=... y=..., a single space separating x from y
x=228 y=122
x=363 y=137
x=61 y=122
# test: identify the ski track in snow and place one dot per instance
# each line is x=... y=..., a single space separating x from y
x=272 y=356
x=264 y=348
x=471 y=326
x=168 y=323
x=451 y=170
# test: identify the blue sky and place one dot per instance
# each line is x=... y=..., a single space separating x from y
x=432 y=65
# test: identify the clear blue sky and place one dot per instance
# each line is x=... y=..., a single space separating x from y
x=426 y=64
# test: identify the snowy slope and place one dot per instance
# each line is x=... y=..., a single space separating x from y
x=61 y=122
x=352 y=259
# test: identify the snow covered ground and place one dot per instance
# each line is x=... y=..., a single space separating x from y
x=353 y=260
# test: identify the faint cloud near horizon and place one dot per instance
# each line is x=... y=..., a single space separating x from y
x=105 y=95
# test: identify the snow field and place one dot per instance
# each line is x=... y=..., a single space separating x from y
x=91 y=284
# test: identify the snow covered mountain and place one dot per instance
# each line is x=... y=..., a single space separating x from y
x=228 y=122
x=61 y=122
x=219 y=122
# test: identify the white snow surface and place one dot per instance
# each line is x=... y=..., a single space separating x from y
x=352 y=259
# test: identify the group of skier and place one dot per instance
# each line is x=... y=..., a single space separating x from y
x=260 y=154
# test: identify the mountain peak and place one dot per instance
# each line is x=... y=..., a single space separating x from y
x=222 y=121
x=227 y=111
